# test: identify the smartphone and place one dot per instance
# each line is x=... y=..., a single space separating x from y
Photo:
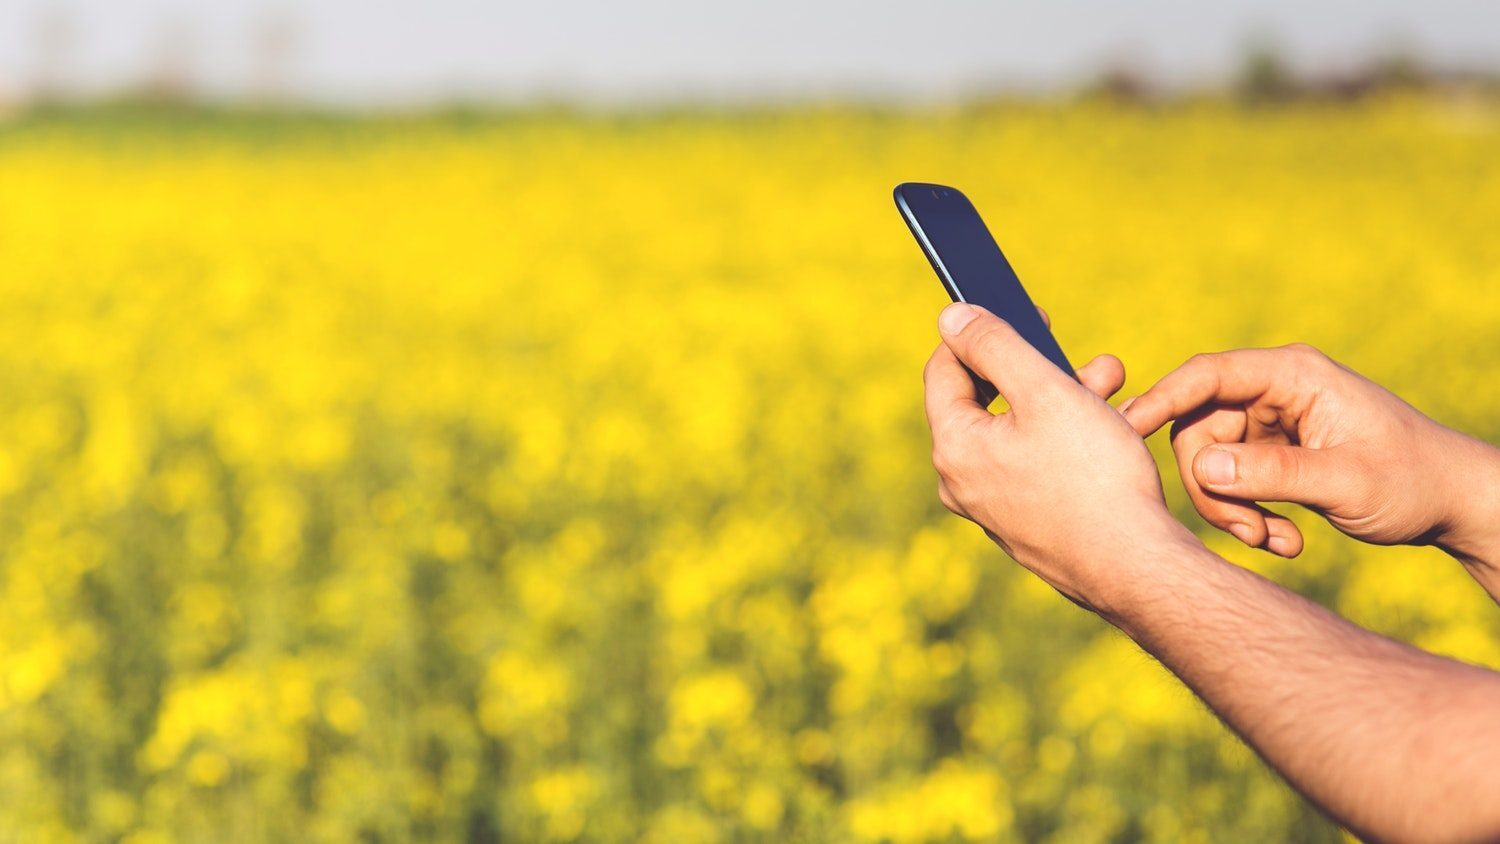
x=970 y=264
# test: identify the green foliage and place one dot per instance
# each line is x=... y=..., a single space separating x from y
x=556 y=477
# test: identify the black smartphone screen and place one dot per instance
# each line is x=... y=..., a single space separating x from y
x=970 y=263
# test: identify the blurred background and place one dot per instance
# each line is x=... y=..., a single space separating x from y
x=464 y=421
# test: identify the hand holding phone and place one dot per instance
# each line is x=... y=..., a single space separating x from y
x=970 y=264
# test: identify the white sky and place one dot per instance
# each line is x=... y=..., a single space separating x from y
x=384 y=52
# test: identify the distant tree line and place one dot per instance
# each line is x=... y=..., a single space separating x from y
x=1265 y=76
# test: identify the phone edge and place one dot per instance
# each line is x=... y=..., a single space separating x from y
x=946 y=278
x=915 y=227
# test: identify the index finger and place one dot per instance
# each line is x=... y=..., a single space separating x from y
x=949 y=391
x=1223 y=378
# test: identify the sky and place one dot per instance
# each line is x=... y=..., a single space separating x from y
x=378 y=52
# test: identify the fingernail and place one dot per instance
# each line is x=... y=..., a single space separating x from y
x=955 y=317
x=1279 y=545
x=1125 y=405
x=1241 y=532
x=1218 y=467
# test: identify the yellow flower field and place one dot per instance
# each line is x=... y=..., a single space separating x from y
x=550 y=477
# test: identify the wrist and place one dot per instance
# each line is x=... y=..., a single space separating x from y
x=1152 y=567
x=1470 y=527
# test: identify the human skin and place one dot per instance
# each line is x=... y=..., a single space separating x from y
x=1290 y=424
x=1392 y=742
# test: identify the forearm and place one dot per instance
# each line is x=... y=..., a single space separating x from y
x=1471 y=530
x=1393 y=742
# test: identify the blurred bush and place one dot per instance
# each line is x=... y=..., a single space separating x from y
x=564 y=477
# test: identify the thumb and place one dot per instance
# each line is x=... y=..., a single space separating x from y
x=1269 y=472
x=995 y=351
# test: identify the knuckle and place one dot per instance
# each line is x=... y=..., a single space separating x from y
x=1306 y=353
x=990 y=344
x=954 y=454
x=1287 y=467
x=940 y=460
x=1200 y=369
x=1201 y=360
x=944 y=460
x=945 y=495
